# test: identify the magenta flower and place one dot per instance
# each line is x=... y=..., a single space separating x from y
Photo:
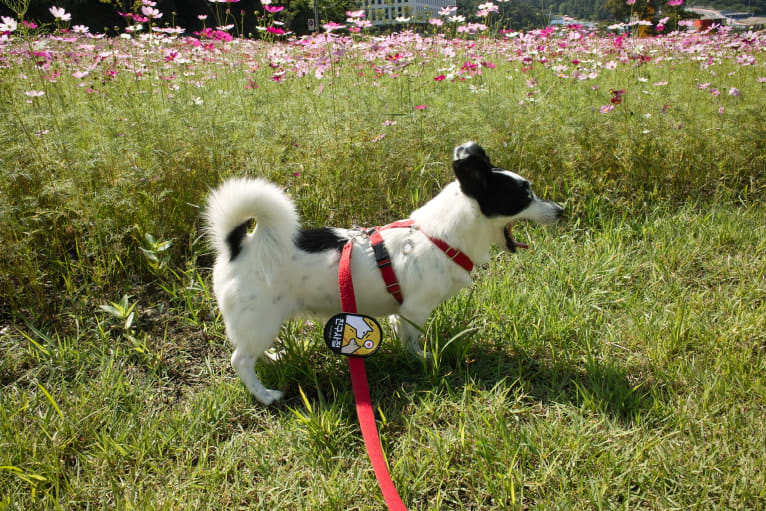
x=439 y=78
x=421 y=107
x=675 y=3
x=273 y=9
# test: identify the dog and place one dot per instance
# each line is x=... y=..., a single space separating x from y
x=280 y=271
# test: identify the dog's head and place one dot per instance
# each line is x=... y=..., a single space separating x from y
x=502 y=195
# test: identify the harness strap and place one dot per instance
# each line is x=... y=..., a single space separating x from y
x=383 y=258
x=364 y=411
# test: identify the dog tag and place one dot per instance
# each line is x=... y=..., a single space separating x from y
x=352 y=335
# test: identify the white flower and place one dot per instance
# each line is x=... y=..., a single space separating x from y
x=8 y=24
x=80 y=29
x=60 y=14
x=151 y=12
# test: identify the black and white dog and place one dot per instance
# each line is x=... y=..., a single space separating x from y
x=279 y=271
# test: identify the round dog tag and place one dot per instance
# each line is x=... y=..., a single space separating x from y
x=353 y=335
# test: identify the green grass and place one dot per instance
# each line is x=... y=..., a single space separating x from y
x=620 y=363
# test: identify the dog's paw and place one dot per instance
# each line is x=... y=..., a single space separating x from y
x=425 y=355
x=413 y=347
x=269 y=396
x=274 y=355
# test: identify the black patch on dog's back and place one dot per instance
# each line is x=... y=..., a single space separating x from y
x=319 y=240
x=234 y=239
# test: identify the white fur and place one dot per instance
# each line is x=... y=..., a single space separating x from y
x=271 y=280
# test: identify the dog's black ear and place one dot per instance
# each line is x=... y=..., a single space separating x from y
x=472 y=168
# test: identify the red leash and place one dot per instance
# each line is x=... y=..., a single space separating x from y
x=359 y=383
x=361 y=388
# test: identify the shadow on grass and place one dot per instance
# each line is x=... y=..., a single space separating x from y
x=593 y=385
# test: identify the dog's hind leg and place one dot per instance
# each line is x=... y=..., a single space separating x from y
x=244 y=363
x=251 y=340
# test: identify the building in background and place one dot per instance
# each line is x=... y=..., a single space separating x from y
x=392 y=12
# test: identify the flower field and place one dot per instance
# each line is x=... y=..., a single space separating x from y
x=620 y=363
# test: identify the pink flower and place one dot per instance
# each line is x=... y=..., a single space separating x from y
x=436 y=22
x=275 y=30
x=675 y=3
x=379 y=137
x=446 y=11
x=630 y=2
x=151 y=12
x=421 y=107
x=273 y=10
x=606 y=109
x=329 y=27
x=439 y=78
x=734 y=92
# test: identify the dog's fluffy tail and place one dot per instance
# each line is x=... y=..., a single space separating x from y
x=236 y=201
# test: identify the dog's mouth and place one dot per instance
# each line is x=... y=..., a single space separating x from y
x=510 y=241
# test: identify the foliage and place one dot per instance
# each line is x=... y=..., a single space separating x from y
x=620 y=363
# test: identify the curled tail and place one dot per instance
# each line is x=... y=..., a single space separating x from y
x=233 y=204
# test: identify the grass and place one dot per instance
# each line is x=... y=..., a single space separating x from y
x=619 y=363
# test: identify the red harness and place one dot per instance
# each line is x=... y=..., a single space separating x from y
x=383 y=258
x=359 y=383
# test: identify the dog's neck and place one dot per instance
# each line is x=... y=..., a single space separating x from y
x=457 y=219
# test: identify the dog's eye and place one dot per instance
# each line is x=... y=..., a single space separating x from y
x=527 y=189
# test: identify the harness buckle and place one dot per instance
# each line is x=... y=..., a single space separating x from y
x=452 y=253
x=381 y=255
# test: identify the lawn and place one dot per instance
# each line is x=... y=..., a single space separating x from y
x=618 y=363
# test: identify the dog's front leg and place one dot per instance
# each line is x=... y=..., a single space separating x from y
x=408 y=328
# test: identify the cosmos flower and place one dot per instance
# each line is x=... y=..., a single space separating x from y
x=60 y=14
x=8 y=24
